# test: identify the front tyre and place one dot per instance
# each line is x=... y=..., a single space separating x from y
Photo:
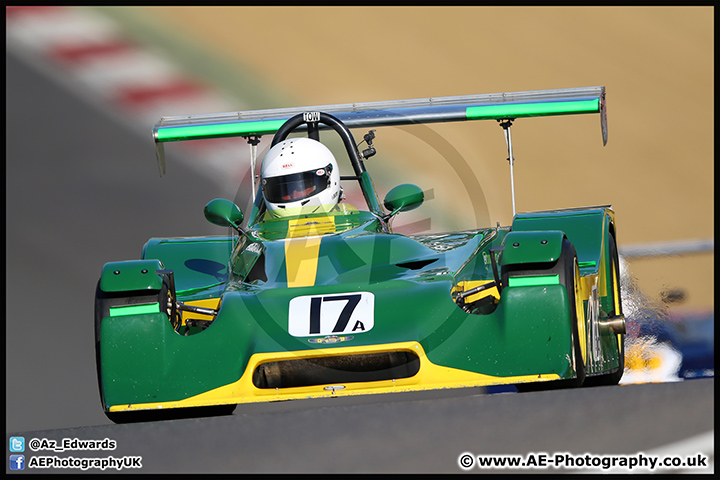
x=170 y=414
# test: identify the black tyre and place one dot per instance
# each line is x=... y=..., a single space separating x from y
x=568 y=272
x=613 y=378
x=170 y=414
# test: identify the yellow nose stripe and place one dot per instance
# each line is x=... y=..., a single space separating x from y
x=301 y=259
x=301 y=251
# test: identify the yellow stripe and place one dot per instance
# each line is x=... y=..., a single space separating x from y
x=302 y=248
x=301 y=259
x=429 y=377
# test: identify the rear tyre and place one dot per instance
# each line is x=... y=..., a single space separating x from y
x=568 y=273
x=613 y=378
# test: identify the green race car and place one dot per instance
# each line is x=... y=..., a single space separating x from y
x=320 y=299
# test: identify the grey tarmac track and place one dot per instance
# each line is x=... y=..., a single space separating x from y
x=82 y=190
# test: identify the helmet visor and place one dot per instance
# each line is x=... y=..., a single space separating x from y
x=296 y=186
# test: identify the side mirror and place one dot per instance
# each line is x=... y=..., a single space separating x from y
x=223 y=213
x=404 y=198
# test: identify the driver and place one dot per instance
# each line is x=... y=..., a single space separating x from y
x=298 y=174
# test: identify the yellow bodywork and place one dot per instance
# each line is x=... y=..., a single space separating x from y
x=429 y=377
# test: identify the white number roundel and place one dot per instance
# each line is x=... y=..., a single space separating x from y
x=334 y=314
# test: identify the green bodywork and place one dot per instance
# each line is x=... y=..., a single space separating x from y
x=411 y=277
x=532 y=247
x=129 y=276
x=351 y=261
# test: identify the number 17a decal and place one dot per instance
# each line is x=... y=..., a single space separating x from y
x=331 y=314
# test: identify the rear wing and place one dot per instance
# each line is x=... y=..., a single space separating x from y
x=494 y=106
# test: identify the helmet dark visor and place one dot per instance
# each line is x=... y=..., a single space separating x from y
x=296 y=186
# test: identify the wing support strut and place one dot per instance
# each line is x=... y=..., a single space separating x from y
x=505 y=124
x=253 y=141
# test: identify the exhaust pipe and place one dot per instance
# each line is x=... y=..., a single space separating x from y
x=613 y=325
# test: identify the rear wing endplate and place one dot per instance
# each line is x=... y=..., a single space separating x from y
x=494 y=106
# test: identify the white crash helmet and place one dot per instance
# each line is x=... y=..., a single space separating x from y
x=299 y=172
